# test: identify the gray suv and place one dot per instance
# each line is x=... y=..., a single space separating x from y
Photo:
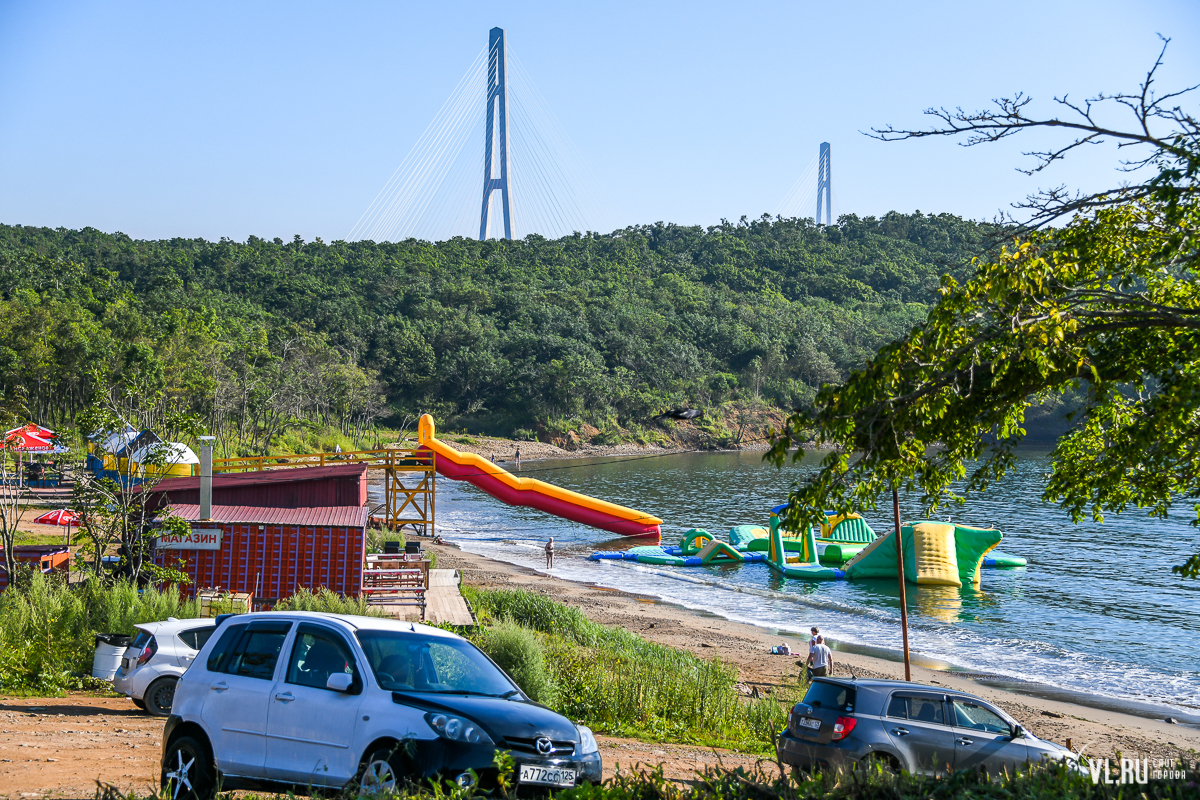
x=910 y=726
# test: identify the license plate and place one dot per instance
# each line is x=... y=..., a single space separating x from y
x=810 y=723
x=549 y=776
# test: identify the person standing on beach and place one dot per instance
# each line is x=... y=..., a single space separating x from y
x=519 y=460
x=550 y=553
x=820 y=659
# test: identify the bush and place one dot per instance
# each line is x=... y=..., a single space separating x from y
x=329 y=602
x=520 y=653
x=48 y=629
x=617 y=682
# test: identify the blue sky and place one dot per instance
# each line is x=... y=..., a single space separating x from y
x=229 y=119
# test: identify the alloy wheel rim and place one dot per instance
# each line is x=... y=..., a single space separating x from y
x=180 y=776
x=378 y=777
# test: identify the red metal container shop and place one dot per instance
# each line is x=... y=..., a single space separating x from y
x=272 y=552
x=302 y=487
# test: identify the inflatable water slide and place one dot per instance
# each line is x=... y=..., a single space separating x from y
x=508 y=488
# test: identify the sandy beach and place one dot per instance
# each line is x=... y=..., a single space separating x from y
x=1094 y=731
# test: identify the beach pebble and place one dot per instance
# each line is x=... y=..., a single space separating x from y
x=1170 y=720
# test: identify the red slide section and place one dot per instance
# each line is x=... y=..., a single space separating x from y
x=508 y=488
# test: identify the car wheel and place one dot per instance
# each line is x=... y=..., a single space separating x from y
x=883 y=761
x=160 y=696
x=187 y=771
x=383 y=772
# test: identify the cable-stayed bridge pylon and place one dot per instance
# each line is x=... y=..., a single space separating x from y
x=813 y=189
x=510 y=150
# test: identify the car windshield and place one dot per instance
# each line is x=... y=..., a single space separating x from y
x=410 y=662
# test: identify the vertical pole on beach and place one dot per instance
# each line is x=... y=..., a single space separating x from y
x=900 y=575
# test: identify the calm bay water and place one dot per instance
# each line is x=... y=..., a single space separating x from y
x=1096 y=611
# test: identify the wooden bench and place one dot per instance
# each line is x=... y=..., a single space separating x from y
x=395 y=580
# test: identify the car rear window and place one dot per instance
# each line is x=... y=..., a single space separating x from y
x=196 y=637
x=823 y=694
x=141 y=640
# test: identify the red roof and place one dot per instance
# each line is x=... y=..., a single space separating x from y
x=293 y=475
x=320 y=517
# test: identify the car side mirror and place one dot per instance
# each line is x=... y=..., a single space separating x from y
x=340 y=681
x=1016 y=732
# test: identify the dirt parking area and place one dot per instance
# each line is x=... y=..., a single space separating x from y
x=59 y=747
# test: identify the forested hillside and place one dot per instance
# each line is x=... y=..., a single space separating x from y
x=498 y=336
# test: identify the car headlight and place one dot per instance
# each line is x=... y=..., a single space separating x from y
x=457 y=729
x=587 y=740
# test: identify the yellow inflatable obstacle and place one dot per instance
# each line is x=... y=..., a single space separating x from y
x=935 y=554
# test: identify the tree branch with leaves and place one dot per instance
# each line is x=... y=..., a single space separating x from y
x=1106 y=300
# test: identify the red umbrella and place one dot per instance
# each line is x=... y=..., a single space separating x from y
x=32 y=439
x=60 y=517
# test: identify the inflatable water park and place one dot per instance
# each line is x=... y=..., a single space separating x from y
x=935 y=553
x=844 y=547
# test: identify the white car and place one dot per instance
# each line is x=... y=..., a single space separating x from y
x=304 y=702
x=161 y=652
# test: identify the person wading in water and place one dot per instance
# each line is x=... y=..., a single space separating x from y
x=550 y=553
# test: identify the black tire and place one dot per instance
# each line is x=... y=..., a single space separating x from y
x=384 y=771
x=159 y=696
x=138 y=703
x=187 y=771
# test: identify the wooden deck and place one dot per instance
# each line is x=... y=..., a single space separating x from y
x=443 y=602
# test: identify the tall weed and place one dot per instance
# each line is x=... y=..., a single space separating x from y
x=329 y=602
x=48 y=629
x=618 y=682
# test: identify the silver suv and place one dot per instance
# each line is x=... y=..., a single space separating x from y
x=910 y=726
x=308 y=702
x=152 y=664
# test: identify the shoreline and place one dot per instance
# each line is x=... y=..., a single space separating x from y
x=1096 y=725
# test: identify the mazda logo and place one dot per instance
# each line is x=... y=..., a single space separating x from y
x=544 y=745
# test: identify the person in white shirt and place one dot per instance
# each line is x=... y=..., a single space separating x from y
x=817 y=638
x=820 y=659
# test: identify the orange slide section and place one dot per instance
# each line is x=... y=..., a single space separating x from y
x=505 y=486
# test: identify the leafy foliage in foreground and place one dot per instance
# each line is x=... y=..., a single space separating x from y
x=499 y=336
x=617 y=682
x=767 y=782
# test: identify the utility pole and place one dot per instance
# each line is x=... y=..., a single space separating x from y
x=900 y=574
x=824 y=186
x=495 y=150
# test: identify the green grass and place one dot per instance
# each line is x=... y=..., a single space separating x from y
x=619 y=683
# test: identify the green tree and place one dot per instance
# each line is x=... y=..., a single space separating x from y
x=1107 y=302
